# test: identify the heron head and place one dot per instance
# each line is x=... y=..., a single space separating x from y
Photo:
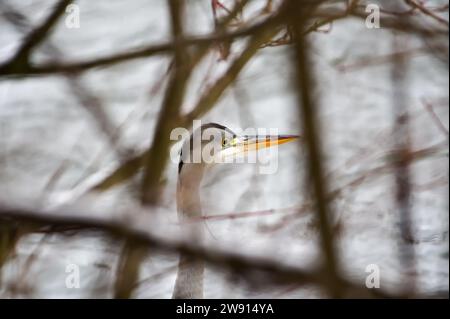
x=214 y=143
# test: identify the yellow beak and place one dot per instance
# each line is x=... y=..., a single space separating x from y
x=251 y=143
x=245 y=144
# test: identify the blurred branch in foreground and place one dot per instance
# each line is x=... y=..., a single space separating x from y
x=402 y=146
x=21 y=60
x=250 y=269
x=308 y=109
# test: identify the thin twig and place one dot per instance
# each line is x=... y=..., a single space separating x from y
x=435 y=118
x=427 y=12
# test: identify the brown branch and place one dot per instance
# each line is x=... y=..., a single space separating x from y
x=144 y=52
x=22 y=57
x=127 y=275
x=310 y=124
x=435 y=118
x=237 y=215
x=402 y=23
x=208 y=100
x=169 y=115
x=132 y=254
x=402 y=171
x=414 y=4
x=382 y=59
x=250 y=269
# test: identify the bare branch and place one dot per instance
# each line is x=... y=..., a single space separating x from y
x=427 y=12
x=402 y=145
x=208 y=100
x=35 y=37
x=144 y=52
x=169 y=115
x=250 y=269
x=308 y=110
x=435 y=118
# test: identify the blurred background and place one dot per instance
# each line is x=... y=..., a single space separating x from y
x=90 y=91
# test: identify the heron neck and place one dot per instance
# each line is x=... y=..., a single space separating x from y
x=188 y=191
x=189 y=282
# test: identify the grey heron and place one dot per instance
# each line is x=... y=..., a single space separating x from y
x=223 y=142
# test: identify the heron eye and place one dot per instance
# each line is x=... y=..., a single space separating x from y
x=224 y=142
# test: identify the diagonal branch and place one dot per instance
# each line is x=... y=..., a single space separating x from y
x=402 y=23
x=208 y=100
x=35 y=37
x=415 y=5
